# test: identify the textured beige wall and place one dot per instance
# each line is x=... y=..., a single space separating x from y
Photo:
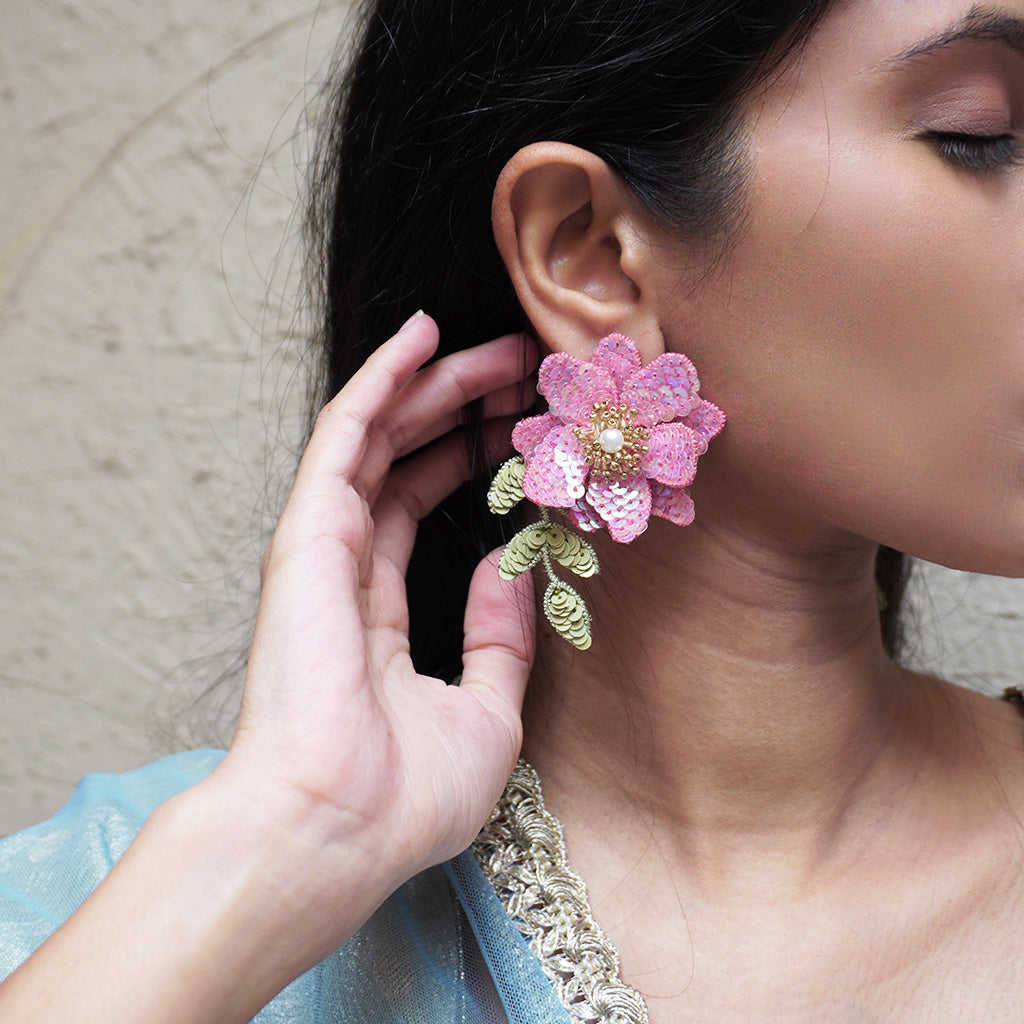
x=147 y=174
x=148 y=168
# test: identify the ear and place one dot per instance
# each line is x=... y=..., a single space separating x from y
x=578 y=249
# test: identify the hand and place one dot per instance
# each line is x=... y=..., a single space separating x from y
x=336 y=726
x=349 y=772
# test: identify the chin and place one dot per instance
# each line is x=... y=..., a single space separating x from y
x=985 y=555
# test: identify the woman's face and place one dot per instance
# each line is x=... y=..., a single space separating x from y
x=866 y=333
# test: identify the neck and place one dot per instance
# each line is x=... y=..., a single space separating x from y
x=736 y=695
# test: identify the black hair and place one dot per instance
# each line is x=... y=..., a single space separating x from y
x=439 y=95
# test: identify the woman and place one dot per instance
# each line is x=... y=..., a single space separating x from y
x=818 y=203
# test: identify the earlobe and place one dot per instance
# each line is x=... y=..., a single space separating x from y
x=574 y=242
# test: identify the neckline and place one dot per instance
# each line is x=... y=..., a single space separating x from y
x=521 y=851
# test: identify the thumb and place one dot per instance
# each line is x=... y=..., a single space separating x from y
x=500 y=629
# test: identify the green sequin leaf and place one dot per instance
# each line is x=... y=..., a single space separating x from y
x=522 y=552
x=572 y=551
x=506 y=490
x=567 y=612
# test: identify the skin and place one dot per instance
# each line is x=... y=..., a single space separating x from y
x=775 y=822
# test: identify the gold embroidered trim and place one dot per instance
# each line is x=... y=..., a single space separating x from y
x=522 y=852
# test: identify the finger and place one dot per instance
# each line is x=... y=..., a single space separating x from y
x=265 y=562
x=484 y=444
x=434 y=400
x=323 y=507
x=512 y=400
x=419 y=484
x=342 y=432
x=429 y=405
x=500 y=627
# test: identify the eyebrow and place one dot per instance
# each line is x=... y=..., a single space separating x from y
x=980 y=24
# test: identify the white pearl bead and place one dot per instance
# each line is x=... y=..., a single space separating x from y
x=611 y=440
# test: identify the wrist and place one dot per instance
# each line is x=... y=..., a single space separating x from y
x=284 y=879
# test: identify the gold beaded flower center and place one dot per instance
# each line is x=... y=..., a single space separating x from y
x=614 y=445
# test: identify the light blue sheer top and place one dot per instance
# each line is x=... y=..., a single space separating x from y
x=440 y=949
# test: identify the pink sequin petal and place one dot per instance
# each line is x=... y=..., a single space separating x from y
x=672 y=455
x=544 y=488
x=706 y=420
x=625 y=505
x=619 y=356
x=672 y=503
x=584 y=517
x=664 y=390
x=556 y=472
x=573 y=387
x=529 y=433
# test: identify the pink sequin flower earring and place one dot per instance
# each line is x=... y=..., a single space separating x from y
x=619 y=443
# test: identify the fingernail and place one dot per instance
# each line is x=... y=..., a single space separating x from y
x=415 y=316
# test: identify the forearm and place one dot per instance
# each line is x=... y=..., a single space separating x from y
x=215 y=907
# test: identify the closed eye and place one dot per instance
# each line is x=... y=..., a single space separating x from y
x=978 y=152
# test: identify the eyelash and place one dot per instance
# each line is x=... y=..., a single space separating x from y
x=978 y=152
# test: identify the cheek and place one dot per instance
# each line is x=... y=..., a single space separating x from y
x=868 y=332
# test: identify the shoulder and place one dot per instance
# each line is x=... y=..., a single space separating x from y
x=47 y=870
